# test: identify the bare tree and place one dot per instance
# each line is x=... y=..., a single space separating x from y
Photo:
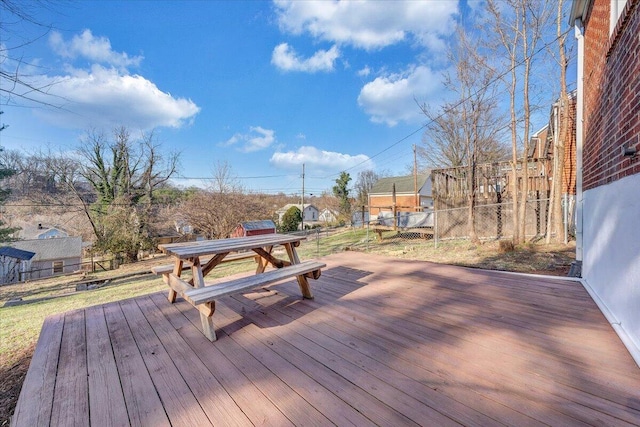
x=216 y=215
x=124 y=174
x=224 y=180
x=467 y=130
x=17 y=86
x=515 y=29
x=554 y=220
x=366 y=180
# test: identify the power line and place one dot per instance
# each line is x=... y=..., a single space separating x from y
x=430 y=121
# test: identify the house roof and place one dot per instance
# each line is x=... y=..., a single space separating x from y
x=29 y=230
x=297 y=205
x=16 y=253
x=258 y=225
x=51 y=249
x=404 y=184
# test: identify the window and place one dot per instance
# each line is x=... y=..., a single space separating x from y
x=617 y=7
x=58 y=267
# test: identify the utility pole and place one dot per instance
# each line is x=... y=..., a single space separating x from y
x=415 y=178
x=302 y=223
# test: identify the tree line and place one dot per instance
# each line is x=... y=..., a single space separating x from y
x=501 y=62
x=115 y=190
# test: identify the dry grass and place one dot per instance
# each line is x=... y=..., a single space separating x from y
x=21 y=324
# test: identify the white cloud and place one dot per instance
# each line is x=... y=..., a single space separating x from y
x=257 y=139
x=368 y=24
x=392 y=98
x=364 y=72
x=104 y=94
x=316 y=159
x=104 y=97
x=95 y=49
x=286 y=58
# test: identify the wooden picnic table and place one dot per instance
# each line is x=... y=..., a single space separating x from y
x=192 y=255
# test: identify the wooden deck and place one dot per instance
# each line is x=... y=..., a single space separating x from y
x=385 y=342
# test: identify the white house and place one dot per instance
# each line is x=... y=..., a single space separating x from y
x=328 y=215
x=309 y=214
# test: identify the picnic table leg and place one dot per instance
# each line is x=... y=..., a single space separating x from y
x=303 y=283
x=177 y=270
x=262 y=262
x=208 y=328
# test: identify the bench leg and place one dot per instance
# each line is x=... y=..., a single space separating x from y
x=305 y=288
x=208 y=328
x=177 y=270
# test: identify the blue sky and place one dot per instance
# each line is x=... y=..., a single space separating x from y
x=263 y=86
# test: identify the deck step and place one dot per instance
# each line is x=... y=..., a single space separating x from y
x=210 y=293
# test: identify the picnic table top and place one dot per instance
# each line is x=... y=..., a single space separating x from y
x=188 y=250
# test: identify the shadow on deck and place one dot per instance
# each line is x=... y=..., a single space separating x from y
x=384 y=342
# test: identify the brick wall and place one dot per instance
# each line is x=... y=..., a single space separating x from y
x=611 y=95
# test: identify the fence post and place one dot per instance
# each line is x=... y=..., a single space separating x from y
x=435 y=228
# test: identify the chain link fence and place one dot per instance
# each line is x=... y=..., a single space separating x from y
x=410 y=231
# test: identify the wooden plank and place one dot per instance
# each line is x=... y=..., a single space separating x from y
x=106 y=399
x=276 y=335
x=71 y=393
x=36 y=397
x=325 y=341
x=213 y=398
x=541 y=362
x=495 y=364
x=256 y=406
x=209 y=293
x=302 y=382
x=210 y=247
x=291 y=404
x=418 y=402
x=179 y=402
x=144 y=406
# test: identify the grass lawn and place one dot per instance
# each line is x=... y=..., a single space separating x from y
x=20 y=324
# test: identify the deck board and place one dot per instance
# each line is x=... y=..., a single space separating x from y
x=71 y=393
x=384 y=342
x=106 y=400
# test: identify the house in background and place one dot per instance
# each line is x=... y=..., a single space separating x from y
x=29 y=231
x=14 y=264
x=409 y=197
x=608 y=156
x=309 y=214
x=52 y=256
x=328 y=216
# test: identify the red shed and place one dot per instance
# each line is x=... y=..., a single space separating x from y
x=254 y=228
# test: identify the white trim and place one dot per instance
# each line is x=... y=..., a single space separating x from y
x=617 y=7
x=579 y=34
x=617 y=326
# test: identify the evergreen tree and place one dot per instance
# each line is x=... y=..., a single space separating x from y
x=341 y=192
x=291 y=219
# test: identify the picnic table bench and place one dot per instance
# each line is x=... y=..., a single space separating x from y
x=203 y=296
